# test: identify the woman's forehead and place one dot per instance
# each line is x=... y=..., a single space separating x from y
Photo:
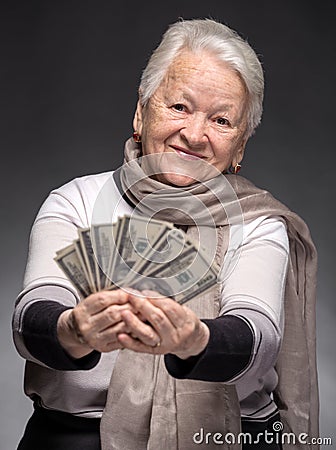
x=191 y=73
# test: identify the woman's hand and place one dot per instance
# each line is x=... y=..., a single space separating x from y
x=172 y=328
x=94 y=323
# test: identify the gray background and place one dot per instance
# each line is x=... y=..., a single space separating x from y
x=69 y=76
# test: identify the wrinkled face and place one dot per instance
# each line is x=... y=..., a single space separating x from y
x=197 y=115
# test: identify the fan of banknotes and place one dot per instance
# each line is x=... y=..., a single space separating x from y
x=139 y=253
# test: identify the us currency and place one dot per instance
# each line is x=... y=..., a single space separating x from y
x=103 y=238
x=69 y=262
x=166 y=249
x=143 y=234
x=141 y=253
x=81 y=257
x=89 y=258
x=114 y=254
x=137 y=237
x=189 y=275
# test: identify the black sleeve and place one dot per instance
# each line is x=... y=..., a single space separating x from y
x=40 y=337
x=227 y=354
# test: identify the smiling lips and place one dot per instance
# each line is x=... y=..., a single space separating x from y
x=187 y=154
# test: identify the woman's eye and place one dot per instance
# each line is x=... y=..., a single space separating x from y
x=178 y=107
x=222 y=121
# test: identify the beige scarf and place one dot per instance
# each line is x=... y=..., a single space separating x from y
x=148 y=409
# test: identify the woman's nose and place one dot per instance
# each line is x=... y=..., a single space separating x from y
x=194 y=131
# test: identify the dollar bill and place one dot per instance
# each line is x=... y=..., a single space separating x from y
x=103 y=238
x=168 y=246
x=69 y=262
x=81 y=257
x=137 y=237
x=114 y=253
x=89 y=258
x=188 y=276
x=144 y=234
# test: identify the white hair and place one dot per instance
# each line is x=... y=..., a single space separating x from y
x=207 y=35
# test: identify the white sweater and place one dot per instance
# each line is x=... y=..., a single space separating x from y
x=254 y=291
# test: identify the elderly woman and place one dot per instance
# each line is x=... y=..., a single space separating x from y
x=238 y=357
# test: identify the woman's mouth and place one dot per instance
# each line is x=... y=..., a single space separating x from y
x=187 y=154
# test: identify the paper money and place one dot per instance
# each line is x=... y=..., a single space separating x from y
x=89 y=258
x=188 y=276
x=69 y=262
x=167 y=249
x=140 y=253
x=104 y=246
x=149 y=244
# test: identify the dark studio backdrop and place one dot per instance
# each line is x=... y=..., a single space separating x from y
x=69 y=78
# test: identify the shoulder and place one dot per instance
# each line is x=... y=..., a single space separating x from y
x=88 y=184
x=267 y=228
x=265 y=217
x=74 y=201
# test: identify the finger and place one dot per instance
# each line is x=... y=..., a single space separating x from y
x=158 y=320
x=108 y=317
x=176 y=313
x=99 y=301
x=112 y=332
x=152 y=294
x=139 y=329
x=171 y=308
x=134 y=344
x=98 y=340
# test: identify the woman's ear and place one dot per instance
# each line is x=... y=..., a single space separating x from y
x=239 y=154
x=138 y=119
